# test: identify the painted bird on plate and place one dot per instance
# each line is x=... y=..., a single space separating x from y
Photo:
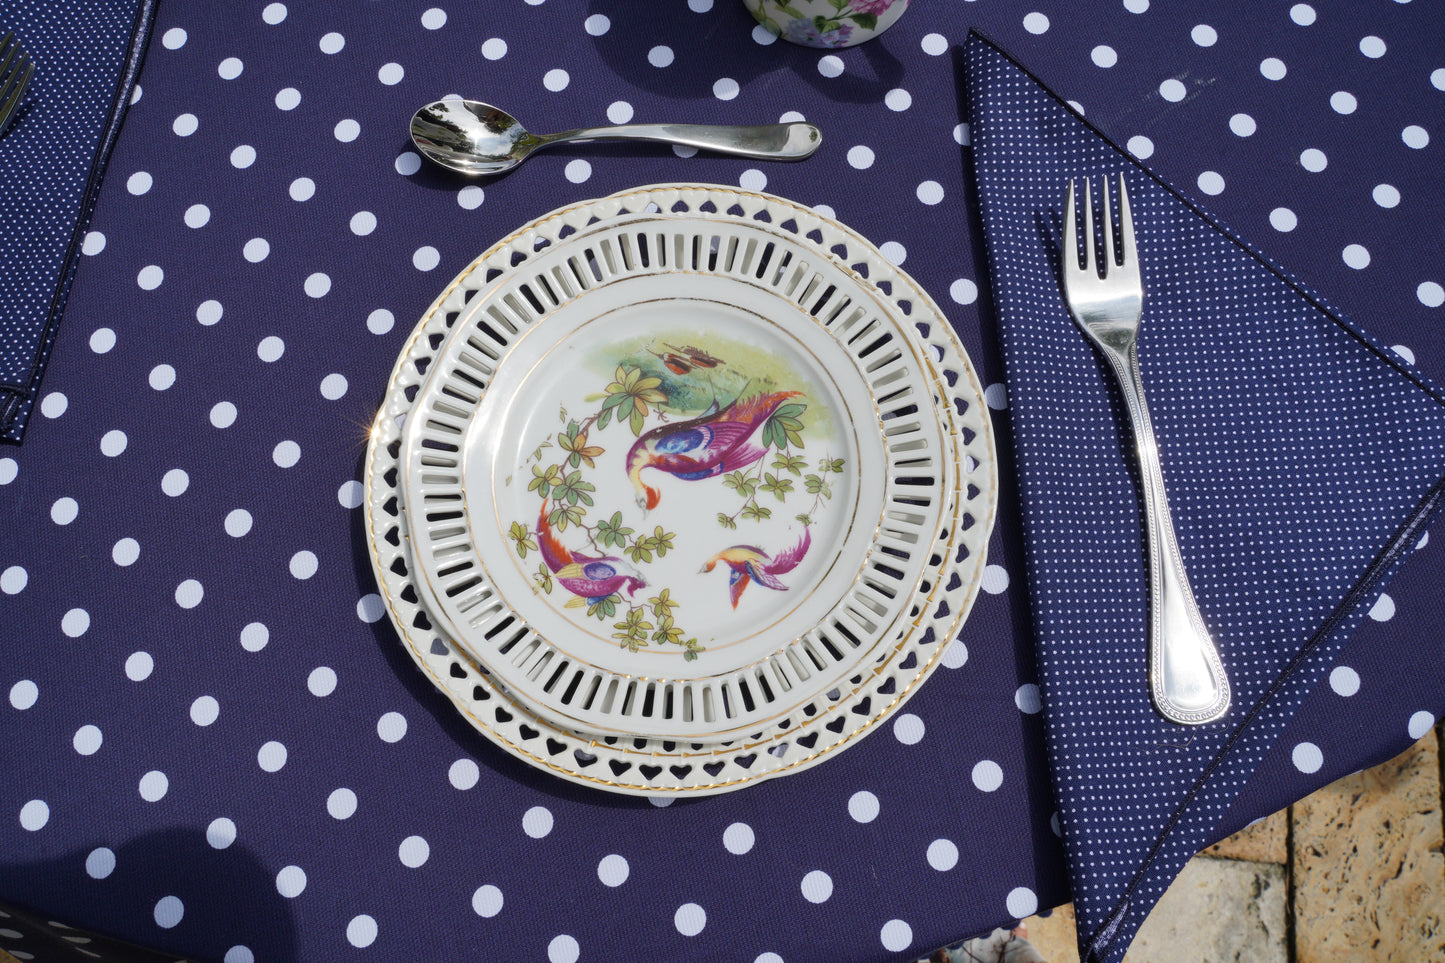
x=715 y=442
x=589 y=578
x=748 y=564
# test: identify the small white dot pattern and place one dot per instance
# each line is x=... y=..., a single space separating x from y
x=1294 y=446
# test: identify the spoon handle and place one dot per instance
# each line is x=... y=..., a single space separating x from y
x=763 y=141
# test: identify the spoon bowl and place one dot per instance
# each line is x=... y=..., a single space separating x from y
x=474 y=138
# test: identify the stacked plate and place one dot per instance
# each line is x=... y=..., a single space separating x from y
x=680 y=489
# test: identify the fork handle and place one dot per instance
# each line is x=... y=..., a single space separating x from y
x=1186 y=678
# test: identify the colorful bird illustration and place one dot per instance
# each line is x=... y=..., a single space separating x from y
x=749 y=564
x=697 y=356
x=675 y=363
x=589 y=578
x=712 y=443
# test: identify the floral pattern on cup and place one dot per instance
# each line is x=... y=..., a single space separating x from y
x=829 y=24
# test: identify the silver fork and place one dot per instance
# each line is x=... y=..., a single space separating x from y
x=15 y=72
x=1106 y=298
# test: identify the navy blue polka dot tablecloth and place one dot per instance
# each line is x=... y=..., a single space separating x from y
x=217 y=747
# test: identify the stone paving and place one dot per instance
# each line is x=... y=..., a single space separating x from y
x=1355 y=873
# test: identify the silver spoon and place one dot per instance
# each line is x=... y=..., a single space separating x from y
x=476 y=138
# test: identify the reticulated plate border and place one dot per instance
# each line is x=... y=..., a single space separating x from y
x=652 y=767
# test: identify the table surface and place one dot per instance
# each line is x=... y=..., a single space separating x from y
x=219 y=750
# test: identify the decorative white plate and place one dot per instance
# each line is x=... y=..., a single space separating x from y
x=679 y=467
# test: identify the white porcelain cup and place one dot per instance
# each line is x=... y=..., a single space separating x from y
x=827 y=23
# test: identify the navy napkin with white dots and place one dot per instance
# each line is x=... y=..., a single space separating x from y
x=53 y=157
x=1303 y=459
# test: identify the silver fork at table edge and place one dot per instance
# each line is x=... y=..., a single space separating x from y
x=16 y=69
x=1105 y=294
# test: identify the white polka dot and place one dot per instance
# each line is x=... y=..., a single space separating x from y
x=537 y=822
x=934 y=44
x=1172 y=90
x=1027 y=698
x=197 y=216
x=175 y=482
x=863 y=806
x=230 y=68
x=361 y=931
x=1302 y=14
x=256 y=250
x=93 y=244
x=563 y=949
x=331 y=43
x=690 y=919
x=470 y=197
x=54 y=404
x=413 y=852
x=254 y=637
x=1420 y=723
x=391 y=74
x=1344 y=680
x=303 y=564
x=341 y=804
x=1437 y=78
x=288 y=98
x=270 y=349
x=391 y=727
x=1415 y=136
x=1430 y=294
x=318 y=285
x=613 y=870
x=427 y=258
x=1140 y=146
x=64 y=511
x=942 y=855
x=286 y=454
x=768 y=958
x=189 y=593
x=930 y=192
x=896 y=99
x=1204 y=35
x=238 y=522
x=302 y=189
x=346 y=131
x=1372 y=47
x=168 y=912
x=239 y=954
x=363 y=223
x=1384 y=608
x=322 y=681
x=34 y=815
x=139 y=182
x=956 y=655
x=725 y=88
x=1104 y=56
x=908 y=729
x=1409 y=357
x=699 y=6
x=963 y=291
x=9 y=470
x=494 y=49
x=173 y=39
x=487 y=901
x=138 y=666
x=1036 y=23
x=1343 y=102
x=351 y=494
x=995 y=578
x=1272 y=68
x=209 y=312
x=23 y=694
x=1283 y=219
x=205 y=710
x=1211 y=183
x=150 y=277
x=1021 y=902
x=830 y=65
x=243 y=156
x=738 y=838
x=291 y=881
x=556 y=79
x=407 y=163
x=1386 y=195
x=102 y=340
x=1313 y=160
x=13 y=579
x=75 y=623
x=434 y=19
x=274 y=13
x=817 y=886
x=1243 y=125
x=221 y=833
x=987 y=775
x=154 y=785
x=895 y=935
x=1356 y=256
x=895 y=253
x=100 y=862
x=271 y=756
x=88 y=739
x=1307 y=757
x=753 y=179
x=370 y=608
x=597 y=24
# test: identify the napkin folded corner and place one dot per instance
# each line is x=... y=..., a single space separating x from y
x=1303 y=459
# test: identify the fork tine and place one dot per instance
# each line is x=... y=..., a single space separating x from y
x=1108 y=230
x=13 y=90
x=1071 y=234
x=1126 y=229
x=1091 y=247
x=8 y=47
